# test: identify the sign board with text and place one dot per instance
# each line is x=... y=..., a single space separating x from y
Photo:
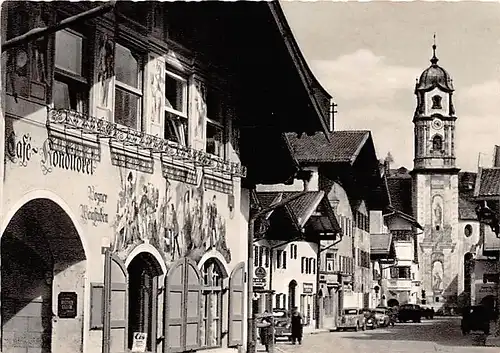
x=139 y=342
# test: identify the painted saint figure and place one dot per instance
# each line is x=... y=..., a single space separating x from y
x=437 y=276
x=157 y=84
x=438 y=215
x=105 y=69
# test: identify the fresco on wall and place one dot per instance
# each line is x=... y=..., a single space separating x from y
x=39 y=47
x=105 y=69
x=157 y=90
x=201 y=108
x=437 y=212
x=182 y=224
x=437 y=276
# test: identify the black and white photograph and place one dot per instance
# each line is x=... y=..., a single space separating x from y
x=250 y=176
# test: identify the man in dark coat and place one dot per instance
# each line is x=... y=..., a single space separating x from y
x=297 y=326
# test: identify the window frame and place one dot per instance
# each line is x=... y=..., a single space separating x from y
x=207 y=290
x=218 y=125
x=169 y=72
x=138 y=92
x=73 y=79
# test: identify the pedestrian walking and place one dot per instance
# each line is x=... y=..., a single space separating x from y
x=297 y=326
x=264 y=326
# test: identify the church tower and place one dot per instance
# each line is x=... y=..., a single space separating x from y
x=435 y=187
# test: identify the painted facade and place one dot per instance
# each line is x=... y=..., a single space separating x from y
x=83 y=178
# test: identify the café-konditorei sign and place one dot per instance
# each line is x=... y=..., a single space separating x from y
x=21 y=149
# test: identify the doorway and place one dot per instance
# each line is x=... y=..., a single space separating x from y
x=143 y=273
x=35 y=261
x=292 y=289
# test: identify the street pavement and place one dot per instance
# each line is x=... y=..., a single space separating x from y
x=438 y=335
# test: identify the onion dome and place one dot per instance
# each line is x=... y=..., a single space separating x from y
x=434 y=76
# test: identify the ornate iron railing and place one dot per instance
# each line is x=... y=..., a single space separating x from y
x=130 y=137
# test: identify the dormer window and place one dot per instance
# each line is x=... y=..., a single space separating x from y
x=436 y=102
x=437 y=143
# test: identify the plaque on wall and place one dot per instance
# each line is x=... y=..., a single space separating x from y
x=66 y=305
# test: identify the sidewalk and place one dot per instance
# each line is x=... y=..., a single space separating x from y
x=313 y=331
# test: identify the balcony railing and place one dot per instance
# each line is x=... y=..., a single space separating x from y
x=399 y=283
x=142 y=141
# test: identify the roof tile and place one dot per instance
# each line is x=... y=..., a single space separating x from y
x=400 y=189
x=342 y=147
x=380 y=243
x=489 y=185
x=466 y=206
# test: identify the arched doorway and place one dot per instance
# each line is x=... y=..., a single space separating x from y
x=292 y=289
x=143 y=272
x=392 y=302
x=42 y=257
x=489 y=301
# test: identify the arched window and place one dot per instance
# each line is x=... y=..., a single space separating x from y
x=436 y=102
x=437 y=143
x=211 y=328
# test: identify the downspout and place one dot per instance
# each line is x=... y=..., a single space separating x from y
x=251 y=344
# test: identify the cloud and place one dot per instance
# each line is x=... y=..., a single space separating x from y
x=374 y=94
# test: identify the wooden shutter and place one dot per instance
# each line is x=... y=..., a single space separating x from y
x=174 y=298
x=236 y=323
x=192 y=306
x=115 y=333
x=182 y=307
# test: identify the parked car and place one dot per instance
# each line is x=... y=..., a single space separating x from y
x=428 y=313
x=352 y=318
x=476 y=318
x=382 y=317
x=370 y=319
x=410 y=312
x=282 y=323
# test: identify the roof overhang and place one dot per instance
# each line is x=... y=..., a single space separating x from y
x=392 y=212
x=382 y=247
x=308 y=215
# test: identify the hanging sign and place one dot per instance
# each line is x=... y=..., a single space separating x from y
x=139 y=342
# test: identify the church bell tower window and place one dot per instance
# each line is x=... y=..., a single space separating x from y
x=437 y=143
x=436 y=102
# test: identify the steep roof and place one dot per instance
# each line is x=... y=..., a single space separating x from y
x=344 y=146
x=488 y=183
x=400 y=190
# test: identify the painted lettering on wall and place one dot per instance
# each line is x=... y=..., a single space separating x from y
x=64 y=159
x=93 y=212
x=20 y=150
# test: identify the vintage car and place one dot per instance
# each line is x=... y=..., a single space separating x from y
x=382 y=317
x=282 y=323
x=352 y=318
x=476 y=318
x=410 y=312
x=428 y=313
x=370 y=319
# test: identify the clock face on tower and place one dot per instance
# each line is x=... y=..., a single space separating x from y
x=437 y=124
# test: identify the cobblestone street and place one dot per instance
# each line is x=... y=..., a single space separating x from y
x=439 y=335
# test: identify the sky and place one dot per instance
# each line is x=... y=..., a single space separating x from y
x=368 y=55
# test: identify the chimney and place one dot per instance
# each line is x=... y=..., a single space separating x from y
x=496 y=157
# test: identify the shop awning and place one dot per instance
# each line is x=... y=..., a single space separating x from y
x=491 y=245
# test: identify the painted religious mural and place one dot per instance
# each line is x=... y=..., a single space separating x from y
x=182 y=221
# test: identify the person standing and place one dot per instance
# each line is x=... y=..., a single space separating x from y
x=297 y=326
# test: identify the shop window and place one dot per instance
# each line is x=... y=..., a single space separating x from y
x=143 y=288
x=211 y=327
x=71 y=87
x=215 y=133
x=176 y=109
x=128 y=87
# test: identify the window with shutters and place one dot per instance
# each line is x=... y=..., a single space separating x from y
x=211 y=327
x=303 y=265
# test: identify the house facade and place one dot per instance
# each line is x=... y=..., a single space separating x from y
x=348 y=173
x=128 y=170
